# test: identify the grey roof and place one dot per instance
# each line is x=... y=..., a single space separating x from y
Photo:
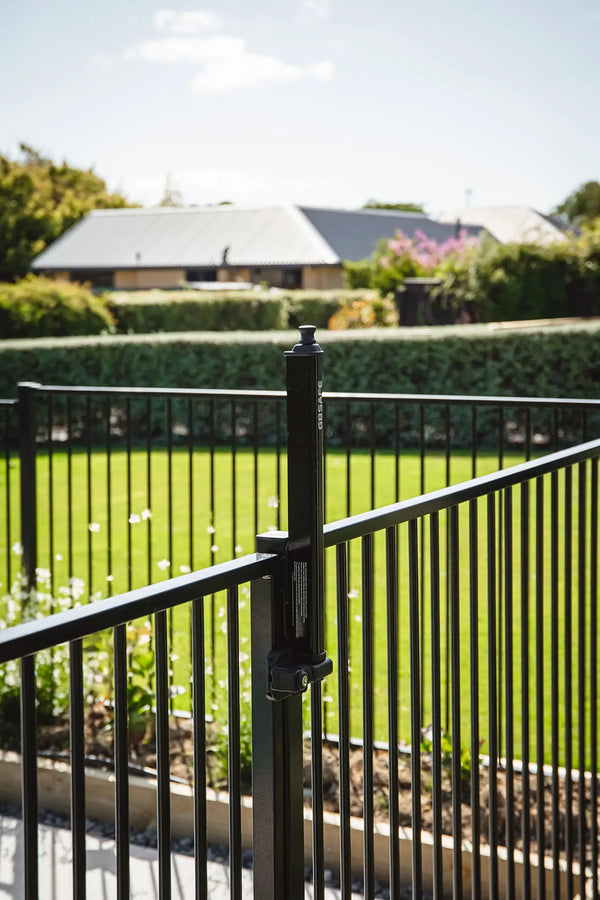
x=250 y=236
x=510 y=224
x=353 y=235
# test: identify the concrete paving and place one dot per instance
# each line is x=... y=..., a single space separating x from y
x=55 y=869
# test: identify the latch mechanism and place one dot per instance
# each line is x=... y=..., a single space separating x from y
x=287 y=675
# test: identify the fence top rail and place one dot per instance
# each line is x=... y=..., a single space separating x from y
x=207 y=393
x=435 y=501
x=12 y=402
x=223 y=394
x=79 y=622
x=464 y=399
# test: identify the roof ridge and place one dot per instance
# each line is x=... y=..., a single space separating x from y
x=313 y=232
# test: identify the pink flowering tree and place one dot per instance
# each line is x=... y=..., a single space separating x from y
x=403 y=257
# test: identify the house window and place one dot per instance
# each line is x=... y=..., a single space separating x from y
x=292 y=278
x=201 y=274
x=98 y=278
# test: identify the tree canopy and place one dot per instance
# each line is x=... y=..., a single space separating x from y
x=399 y=207
x=582 y=205
x=39 y=200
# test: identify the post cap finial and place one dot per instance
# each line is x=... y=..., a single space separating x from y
x=307 y=343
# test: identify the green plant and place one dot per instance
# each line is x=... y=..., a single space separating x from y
x=447 y=754
x=43 y=307
x=367 y=312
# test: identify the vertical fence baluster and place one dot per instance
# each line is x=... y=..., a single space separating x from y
x=568 y=675
x=436 y=711
x=26 y=411
x=525 y=712
x=121 y=756
x=392 y=596
x=88 y=469
x=171 y=551
x=51 y=565
x=128 y=482
x=554 y=513
x=509 y=675
x=77 y=742
x=234 y=745
x=70 y=483
x=109 y=570
x=278 y=461
x=474 y=679
x=456 y=735
x=594 y=678
x=415 y=703
x=199 y=732
x=581 y=665
x=492 y=696
x=29 y=779
x=233 y=475
x=149 y=487
x=539 y=681
x=343 y=645
x=161 y=657
x=368 y=699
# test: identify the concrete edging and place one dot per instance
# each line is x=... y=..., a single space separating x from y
x=54 y=789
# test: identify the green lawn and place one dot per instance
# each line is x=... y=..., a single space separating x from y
x=192 y=525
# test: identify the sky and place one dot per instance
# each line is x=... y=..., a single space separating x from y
x=314 y=102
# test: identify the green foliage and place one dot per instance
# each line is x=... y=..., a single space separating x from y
x=314 y=308
x=506 y=282
x=398 y=207
x=550 y=361
x=39 y=200
x=153 y=311
x=359 y=274
x=43 y=307
x=365 y=312
x=583 y=205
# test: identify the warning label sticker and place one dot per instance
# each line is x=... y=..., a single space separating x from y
x=300 y=595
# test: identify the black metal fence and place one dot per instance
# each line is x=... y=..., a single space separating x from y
x=459 y=726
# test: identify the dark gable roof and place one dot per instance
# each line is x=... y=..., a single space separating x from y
x=354 y=235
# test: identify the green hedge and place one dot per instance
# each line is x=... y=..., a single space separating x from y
x=144 y=312
x=552 y=361
x=43 y=307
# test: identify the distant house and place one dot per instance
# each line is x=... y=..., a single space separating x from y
x=510 y=224
x=282 y=246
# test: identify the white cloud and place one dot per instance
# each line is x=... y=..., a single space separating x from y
x=224 y=63
x=209 y=51
x=213 y=185
x=321 y=71
x=192 y=22
x=101 y=60
x=314 y=9
x=245 y=70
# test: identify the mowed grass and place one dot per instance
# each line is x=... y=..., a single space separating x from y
x=94 y=524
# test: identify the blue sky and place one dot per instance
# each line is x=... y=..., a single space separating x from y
x=310 y=101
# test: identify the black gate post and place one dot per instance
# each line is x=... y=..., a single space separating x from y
x=26 y=392
x=288 y=634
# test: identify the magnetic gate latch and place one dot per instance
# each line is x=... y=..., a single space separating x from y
x=287 y=676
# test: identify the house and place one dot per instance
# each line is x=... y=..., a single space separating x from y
x=282 y=246
x=510 y=224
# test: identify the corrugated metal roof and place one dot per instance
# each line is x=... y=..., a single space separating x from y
x=354 y=234
x=190 y=237
x=509 y=224
x=251 y=236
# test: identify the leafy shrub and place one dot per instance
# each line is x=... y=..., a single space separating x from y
x=42 y=307
x=169 y=311
x=365 y=312
x=359 y=273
